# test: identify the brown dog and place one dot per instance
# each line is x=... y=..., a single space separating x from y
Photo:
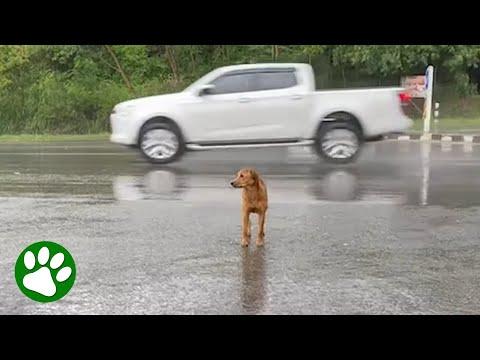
x=254 y=200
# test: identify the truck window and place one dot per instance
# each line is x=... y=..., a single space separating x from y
x=272 y=80
x=254 y=80
x=233 y=83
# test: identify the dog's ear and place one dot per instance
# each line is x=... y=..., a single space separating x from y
x=254 y=175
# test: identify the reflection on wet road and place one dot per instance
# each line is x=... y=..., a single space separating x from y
x=253 y=297
x=395 y=232
x=408 y=173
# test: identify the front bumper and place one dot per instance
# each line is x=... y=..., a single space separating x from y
x=123 y=140
x=123 y=129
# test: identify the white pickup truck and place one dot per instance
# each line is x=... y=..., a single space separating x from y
x=258 y=105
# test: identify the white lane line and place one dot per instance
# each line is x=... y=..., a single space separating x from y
x=297 y=152
x=59 y=154
x=468 y=147
x=446 y=147
x=64 y=147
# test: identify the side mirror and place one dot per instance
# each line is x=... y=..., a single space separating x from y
x=205 y=89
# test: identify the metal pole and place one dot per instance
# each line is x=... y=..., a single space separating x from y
x=428 y=101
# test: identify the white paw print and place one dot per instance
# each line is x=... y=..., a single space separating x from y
x=41 y=281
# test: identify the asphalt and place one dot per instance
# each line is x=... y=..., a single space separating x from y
x=394 y=233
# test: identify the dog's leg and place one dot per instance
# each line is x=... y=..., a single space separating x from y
x=261 y=229
x=245 y=229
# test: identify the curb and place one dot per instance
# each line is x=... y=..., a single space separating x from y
x=435 y=138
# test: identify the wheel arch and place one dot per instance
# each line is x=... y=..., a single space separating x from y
x=341 y=116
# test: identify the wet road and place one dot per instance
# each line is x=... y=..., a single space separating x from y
x=395 y=233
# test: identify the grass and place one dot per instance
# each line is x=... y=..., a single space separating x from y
x=450 y=124
x=444 y=125
x=51 y=138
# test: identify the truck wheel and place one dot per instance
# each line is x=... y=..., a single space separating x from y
x=161 y=143
x=338 y=142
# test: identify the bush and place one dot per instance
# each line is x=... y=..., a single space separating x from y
x=72 y=89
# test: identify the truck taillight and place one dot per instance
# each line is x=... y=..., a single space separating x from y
x=404 y=97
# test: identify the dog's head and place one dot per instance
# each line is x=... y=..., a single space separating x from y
x=245 y=178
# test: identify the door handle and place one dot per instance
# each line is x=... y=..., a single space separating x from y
x=244 y=100
x=296 y=97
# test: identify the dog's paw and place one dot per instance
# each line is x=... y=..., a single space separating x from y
x=244 y=242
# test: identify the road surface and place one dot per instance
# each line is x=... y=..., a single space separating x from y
x=395 y=233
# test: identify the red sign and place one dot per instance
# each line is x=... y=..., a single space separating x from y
x=415 y=86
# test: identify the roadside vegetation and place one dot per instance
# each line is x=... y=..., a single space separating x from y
x=71 y=89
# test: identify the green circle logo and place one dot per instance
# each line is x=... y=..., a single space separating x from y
x=45 y=271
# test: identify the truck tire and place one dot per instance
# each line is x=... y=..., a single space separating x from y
x=338 y=142
x=161 y=142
